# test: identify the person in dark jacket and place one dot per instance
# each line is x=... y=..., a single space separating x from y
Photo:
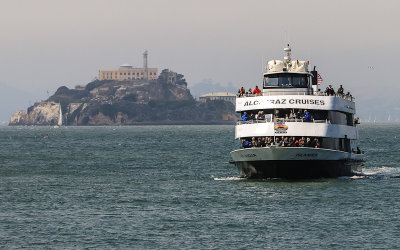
x=299 y=114
x=252 y=116
x=340 y=90
x=331 y=91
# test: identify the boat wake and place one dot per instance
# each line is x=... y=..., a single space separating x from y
x=230 y=178
x=383 y=172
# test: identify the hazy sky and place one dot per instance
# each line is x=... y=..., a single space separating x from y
x=48 y=43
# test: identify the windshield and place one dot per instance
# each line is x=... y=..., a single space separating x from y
x=286 y=80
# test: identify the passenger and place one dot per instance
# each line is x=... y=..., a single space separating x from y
x=340 y=90
x=285 y=142
x=256 y=91
x=246 y=144
x=356 y=121
x=252 y=116
x=276 y=142
x=316 y=143
x=292 y=116
x=327 y=91
x=291 y=142
x=245 y=117
x=250 y=92
x=254 y=142
x=259 y=142
x=299 y=114
x=331 y=90
x=242 y=91
x=286 y=117
x=296 y=143
x=349 y=95
x=268 y=141
x=301 y=142
x=308 y=142
x=261 y=115
x=277 y=115
x=262 y=142
x=307 y=116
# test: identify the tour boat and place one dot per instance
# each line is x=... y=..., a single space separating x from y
x=292 y=129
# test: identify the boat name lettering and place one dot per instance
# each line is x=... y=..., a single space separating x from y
x=249 y=155
x=307 y=101
x=251 y=103
x=306 y=155
x=286 y=101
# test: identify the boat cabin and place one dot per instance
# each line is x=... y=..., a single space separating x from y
x=288 y=77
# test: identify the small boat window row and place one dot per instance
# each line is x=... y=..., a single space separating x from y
x=286 y=80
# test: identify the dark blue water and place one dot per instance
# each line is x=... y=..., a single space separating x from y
x=165 y=187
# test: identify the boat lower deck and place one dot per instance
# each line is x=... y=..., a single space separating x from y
x=296 y=163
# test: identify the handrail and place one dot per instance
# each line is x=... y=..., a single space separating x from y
x=344 y=96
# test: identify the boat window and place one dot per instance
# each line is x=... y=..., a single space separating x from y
x=299 y=81
x=271 y=81
x=286 y=80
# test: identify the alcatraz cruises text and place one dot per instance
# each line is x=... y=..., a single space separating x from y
x=287 y=101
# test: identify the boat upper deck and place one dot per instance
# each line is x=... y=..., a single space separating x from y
x=347 y=96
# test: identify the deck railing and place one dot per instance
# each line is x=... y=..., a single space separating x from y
x=344 y=96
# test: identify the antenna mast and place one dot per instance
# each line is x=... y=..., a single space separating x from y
x=287 y=58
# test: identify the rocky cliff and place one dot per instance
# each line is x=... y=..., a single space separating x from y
x=124 y=103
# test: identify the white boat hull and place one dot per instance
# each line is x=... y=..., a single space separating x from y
x=295 y=163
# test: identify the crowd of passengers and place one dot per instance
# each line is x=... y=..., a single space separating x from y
x=285 y=141
x=250 y=92
x=340 y=92
x=260 y=115
x=328 y=91
x=281 y=142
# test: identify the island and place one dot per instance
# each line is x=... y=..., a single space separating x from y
x=164 y=99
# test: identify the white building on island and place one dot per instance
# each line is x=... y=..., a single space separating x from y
x=224 y=96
